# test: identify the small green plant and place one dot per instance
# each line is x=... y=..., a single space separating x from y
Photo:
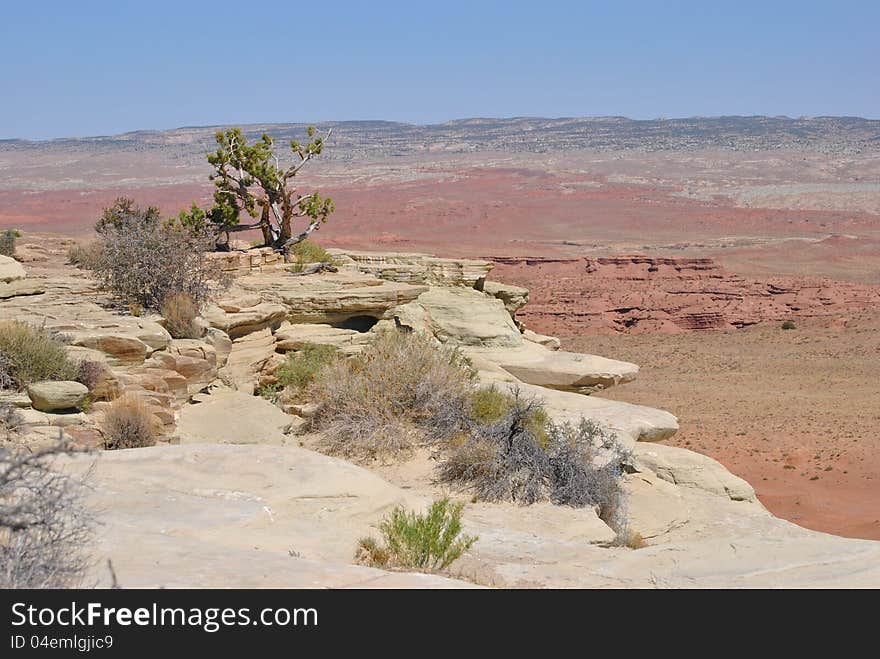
x=302 y=366
x=29 y=354
x=306 y=252
x=788 y=325
x=7 y=242
x=431 y=541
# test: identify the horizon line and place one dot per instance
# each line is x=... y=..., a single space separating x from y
x=433 y=124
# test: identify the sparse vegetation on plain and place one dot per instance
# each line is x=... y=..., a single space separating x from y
x=30 y=354
x=788 y=325
x=429 y=541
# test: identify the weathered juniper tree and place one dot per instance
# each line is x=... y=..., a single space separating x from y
x=251 y=180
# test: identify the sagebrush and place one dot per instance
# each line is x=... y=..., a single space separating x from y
x=45 y=528
x=128 y=423
x=144 y=261
x=524 y=457
x=29 y=353
x=399 y=392
x=429 y=541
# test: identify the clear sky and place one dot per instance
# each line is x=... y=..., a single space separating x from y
x=78 y=68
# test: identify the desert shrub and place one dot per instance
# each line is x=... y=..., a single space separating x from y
x=90 y=373
x=400 y=391
x=524 y=458
x=788 y=325
x=128 y=423
x=145 y=261
x=501 y=461
x=586 y=467
x=44 y=526
x=30 y=354
x=6 y=379
x=122 y=211
x=7 y=242
x=489 y=405
x=305 y=252
x=301 y=367
x=180 y=313
x=431 y=541
x=10 y=420
x=87 y=256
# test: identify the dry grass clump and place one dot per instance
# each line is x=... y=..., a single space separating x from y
x=86 y=256
x=180 y=313
x=128 y=423
x=401 y=391
x=430 y=542
x=44 y=527
x=30 y=354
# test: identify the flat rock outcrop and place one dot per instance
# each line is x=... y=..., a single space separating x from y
x=417 y=268
x=203 y=516
x=331 y=297
x=232 y=417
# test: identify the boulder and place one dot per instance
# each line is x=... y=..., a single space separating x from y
x=10 y=269
x=50 y=396
x=336 y=298
x=231 y=417
x=124 y=338
x=689 y=469
x=514 y=297
x=465 y=317
x=20 y=287
x=246 y=320
x=549 y=342
x=294 y=336
x=566 y=371
x=630 y=423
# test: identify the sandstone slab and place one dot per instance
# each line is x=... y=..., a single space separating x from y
x=233 y=418
x=217 y=516
x=50 y=396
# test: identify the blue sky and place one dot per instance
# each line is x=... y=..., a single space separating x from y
x=96 y=68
